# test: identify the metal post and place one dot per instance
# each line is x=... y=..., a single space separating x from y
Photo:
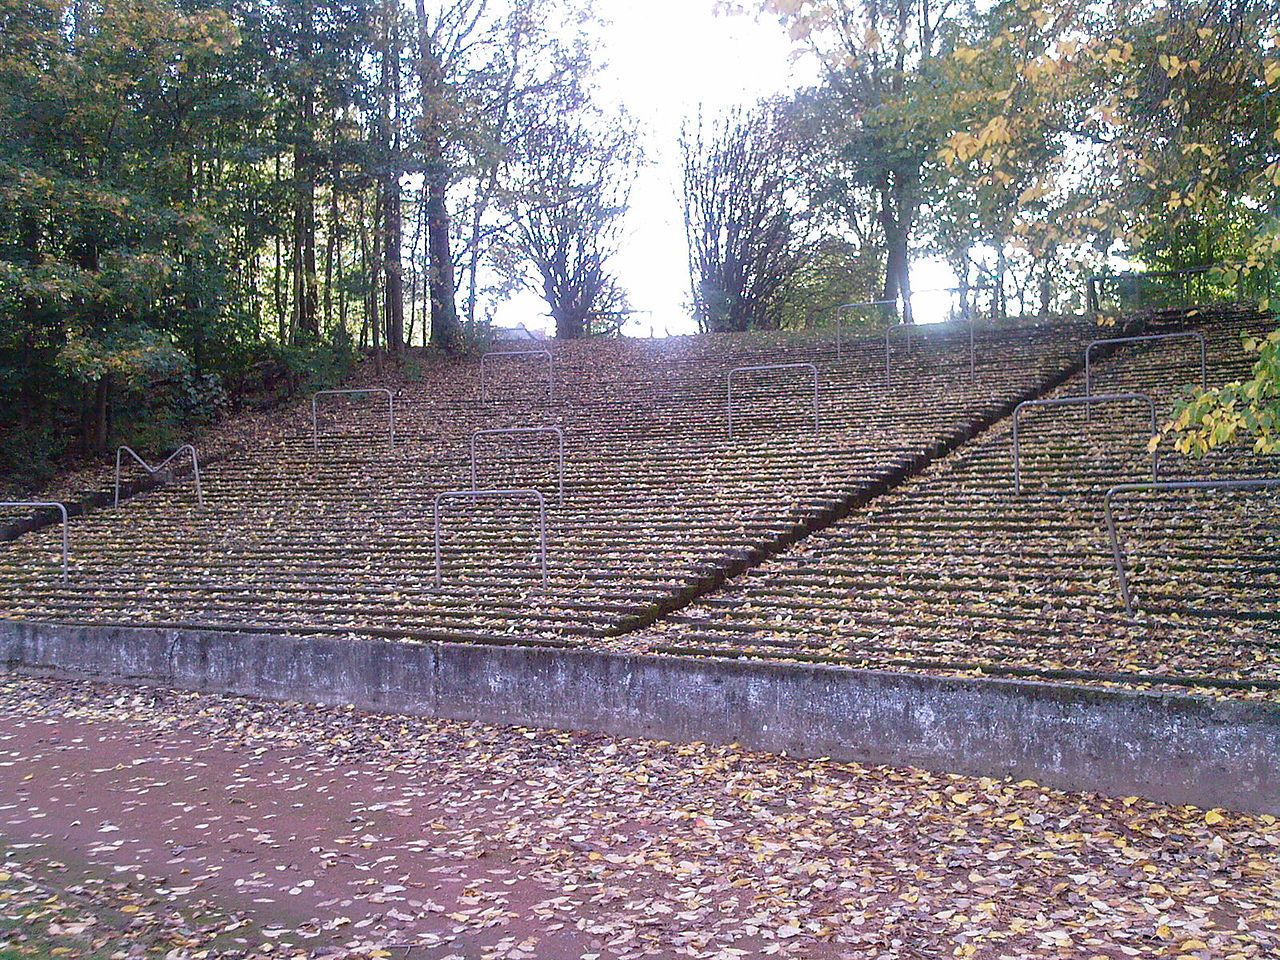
x=1183 y=335
x=195 y=469
x=1088 y=402
x=492 y=494
x=773 y=366
x=850 y=306
x=391 y=410
x=551 y=367
x=1184 y=277
x=973 y=352
x=1261 y=483
x=559 y=433
x=61 y=508
x=152 y=471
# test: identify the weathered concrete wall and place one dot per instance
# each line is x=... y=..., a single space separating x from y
x=1177 y=749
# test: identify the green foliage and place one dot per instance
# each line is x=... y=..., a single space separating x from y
x=308 y=367
x=475 y=338
x=133 y=356
x=412 y=368
x=1246 y=410
x=833 y=273
x=30 y=455
x=113 y=268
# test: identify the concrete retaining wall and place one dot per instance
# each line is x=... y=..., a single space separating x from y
x=1172 y=748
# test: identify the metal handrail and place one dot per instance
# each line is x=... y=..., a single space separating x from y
x=1182 y=335
x=849 y=306
x=497 y=431
x=152 y=471
x=973 y=349
x=551 y=369
x=492 y=494
x=65 y=523
x=772 y=366
x=391 y=410
x=1260 y=483
x=1088 y=402
x=1093 y=301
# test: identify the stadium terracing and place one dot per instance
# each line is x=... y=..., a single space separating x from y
x=878 y=526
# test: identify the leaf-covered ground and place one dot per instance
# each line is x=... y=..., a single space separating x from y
x=97 y=918
x=317 y=831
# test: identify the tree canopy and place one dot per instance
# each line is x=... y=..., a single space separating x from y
x=203 y=200
x=199 y=199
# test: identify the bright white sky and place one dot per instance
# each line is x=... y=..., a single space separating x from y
x=665 y=59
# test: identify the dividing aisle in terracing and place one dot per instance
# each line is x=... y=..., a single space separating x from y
x=955 y=571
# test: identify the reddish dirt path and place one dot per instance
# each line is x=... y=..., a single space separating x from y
x=328 y=827
x=286 y=837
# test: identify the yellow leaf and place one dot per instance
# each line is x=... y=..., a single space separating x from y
x=1214 y=817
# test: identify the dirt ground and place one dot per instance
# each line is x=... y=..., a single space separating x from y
x=190 y=826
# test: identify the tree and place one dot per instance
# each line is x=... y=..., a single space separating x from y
x=480 y=64
x=570 y=192
x=830 y=273
x=1221 y=110
x=744 y=229
x=1239 y=411
x=1004 y=113
x=1174 y=107
x=317 y=52
x=440 y=43
x=880 y=59
x=104 y=239
x=390 y=163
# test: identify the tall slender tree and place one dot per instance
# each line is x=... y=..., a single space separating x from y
x=744 y=230
x=571 y=183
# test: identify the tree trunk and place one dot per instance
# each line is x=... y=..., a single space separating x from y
x=306 y=316
x=374 y=288
x=101 y=422
x=277 y=281
x=445 y=330
x=389 y=181
x=342 y=296
x=570 y=324
x=330 y=245
x=416 y=296
x=897 y=275
x=1002 y=267
x=362 y=234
